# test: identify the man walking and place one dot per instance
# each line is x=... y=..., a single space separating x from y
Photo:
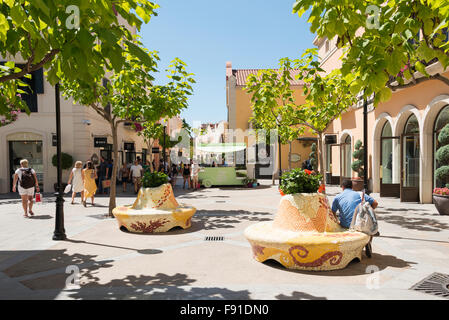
x=136 y=175
x=27 y=182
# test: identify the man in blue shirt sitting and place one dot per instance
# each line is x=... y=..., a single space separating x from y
x=346 y=203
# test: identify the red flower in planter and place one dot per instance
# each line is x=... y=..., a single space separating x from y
x=280 y=191
x=322 y=188
x=308 y=171
x=441 y=191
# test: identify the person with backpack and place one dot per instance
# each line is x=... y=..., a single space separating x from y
x=346 y=204
x=27 y=183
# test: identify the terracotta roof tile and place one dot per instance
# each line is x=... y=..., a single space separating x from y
x=242 y=74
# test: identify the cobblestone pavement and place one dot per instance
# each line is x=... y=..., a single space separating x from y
x=414 y=243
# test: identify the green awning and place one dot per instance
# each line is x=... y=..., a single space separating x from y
x=221 y=147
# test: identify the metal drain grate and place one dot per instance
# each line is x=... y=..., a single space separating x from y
x=216 y=238
x=436 y=284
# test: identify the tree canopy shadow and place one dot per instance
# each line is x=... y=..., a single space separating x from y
x=413 y=222
x=227 y=219
x=296 y=295
x=160 y=286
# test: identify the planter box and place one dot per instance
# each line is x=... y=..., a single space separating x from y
x=357 y=184
x=441 y=203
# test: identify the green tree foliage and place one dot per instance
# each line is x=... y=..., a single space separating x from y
x=442 y=155
x=359 y=156
x=71 y=38
x=380 y=40
x=130 y=95
x=274 y=105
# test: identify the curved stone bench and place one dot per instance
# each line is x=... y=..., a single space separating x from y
x=155 y=210
x=305 y=235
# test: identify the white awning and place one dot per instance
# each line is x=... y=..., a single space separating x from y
x=221 y=147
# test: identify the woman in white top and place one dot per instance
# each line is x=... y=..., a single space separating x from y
x=27 y=182
x=77 y=176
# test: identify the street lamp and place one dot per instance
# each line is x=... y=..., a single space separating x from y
x=59 y=233
x=164 y=124
x=365 y=144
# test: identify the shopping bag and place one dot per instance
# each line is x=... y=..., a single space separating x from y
x=38 y=197
x=106 y=184
x=364 y=219
x=68 y=188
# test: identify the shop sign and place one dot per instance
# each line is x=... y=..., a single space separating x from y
x=100 y=142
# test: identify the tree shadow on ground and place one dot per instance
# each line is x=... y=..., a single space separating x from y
x=296 y=295
x=355 y=267
x=227 y=219
x=161 y=286
x=213 y=220
x=414 y=223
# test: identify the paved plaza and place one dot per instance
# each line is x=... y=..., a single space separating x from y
x=182 y=264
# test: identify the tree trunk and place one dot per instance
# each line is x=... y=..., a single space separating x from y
x=320 y=157
x=113 y=190
x=150 y=148
x=290 y=156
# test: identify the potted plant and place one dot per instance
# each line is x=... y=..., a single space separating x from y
x=441 y=195
x=357 y=166
x=66 y=163
x=299 y=181
x=154 y=179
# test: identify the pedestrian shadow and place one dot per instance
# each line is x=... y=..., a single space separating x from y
x=160 y=286
x=296 y=295
x=377 y=262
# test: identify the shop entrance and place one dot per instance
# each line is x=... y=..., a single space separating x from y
x=30 y=150
x=410 y=157
x=389 y=185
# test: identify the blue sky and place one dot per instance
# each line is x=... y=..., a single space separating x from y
x=207 y=33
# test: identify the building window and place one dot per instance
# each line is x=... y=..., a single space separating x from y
x=441 y=120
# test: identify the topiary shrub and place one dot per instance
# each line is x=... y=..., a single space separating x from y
x=300 y=181
x=154 y=179
x=358 y=154
x=442 y=156
x=66 y=161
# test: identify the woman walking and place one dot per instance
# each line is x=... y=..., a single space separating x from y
x=27 y=182
x=124 y=174
x=186 y=176
x=77 y=177
x=90 y=186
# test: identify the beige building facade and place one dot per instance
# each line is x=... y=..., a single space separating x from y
x=262 y=161
x=402 y=136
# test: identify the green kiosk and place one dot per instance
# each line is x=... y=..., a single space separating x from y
x=221 y=175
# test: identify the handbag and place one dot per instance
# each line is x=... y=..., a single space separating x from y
x=68 y=188
x=364 y=219
x=38 y=197
x=106 y=183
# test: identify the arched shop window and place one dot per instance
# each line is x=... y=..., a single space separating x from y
x=387 y=153
x=441 y=120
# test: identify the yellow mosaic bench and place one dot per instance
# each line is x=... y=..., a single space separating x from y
x=155 y=210
x=305 y=235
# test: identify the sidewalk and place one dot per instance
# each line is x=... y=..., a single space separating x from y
x=181 y=264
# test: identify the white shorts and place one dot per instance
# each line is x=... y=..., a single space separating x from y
x=26 y=192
